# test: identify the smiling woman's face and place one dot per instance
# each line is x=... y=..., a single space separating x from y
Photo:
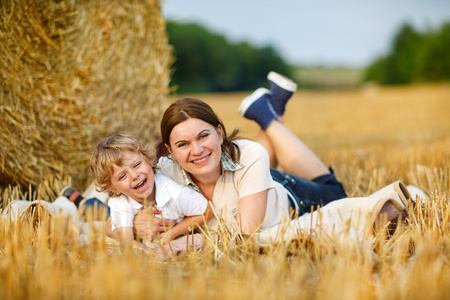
x=196 y=145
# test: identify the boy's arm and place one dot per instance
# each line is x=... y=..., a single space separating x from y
x=125 y=236
x=188 y=224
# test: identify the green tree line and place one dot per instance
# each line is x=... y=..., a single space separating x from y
x=207 y=62
x=414 y=57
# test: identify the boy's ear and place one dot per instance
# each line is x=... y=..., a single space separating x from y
x=112 y=189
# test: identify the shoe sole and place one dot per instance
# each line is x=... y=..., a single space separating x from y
x=282 y=81
x=258 y=93
x=64 y=189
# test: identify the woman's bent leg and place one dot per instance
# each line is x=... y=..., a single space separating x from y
x=292 y=154
x=284 y=148
x=262 y=139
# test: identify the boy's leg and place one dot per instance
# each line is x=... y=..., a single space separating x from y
x=99 y=210
x=94 y=209
x=73 y=195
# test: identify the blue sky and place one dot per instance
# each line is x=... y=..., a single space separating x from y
x=339 y=32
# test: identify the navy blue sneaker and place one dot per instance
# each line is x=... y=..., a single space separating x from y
x=258 y=107
x=282 y=89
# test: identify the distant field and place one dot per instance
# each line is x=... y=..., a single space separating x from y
x=372 y=137
x=328 y=78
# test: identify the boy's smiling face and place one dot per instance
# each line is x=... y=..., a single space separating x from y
x=135 y=178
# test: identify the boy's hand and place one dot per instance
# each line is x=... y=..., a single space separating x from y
x=147 y=226
x=144 y=224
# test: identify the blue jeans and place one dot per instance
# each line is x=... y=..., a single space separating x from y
x=306 y=195
x=101 y=209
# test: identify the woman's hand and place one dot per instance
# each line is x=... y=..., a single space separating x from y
x=180 y=246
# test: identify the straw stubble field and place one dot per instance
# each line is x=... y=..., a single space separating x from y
x=371 y=137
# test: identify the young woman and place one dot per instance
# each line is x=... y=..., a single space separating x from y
x=235 y=174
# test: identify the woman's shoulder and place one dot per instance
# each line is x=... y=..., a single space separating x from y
x=250 y=149
x=243 y=143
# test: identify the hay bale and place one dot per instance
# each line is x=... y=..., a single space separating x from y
x=71 y=73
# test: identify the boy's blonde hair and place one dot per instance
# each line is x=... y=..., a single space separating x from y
x=109 y=152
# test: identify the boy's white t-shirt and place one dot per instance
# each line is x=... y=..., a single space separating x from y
x=175 y=202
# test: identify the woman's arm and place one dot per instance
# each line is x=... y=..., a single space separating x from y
x=253 y=183
x=180 y=246
x=251 y=212
x=187 y=224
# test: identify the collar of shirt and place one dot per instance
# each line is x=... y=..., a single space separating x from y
x=227 y=165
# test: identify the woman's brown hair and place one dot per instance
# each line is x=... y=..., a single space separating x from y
x=189 y=107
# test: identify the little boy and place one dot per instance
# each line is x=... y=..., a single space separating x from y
x=125 y=168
